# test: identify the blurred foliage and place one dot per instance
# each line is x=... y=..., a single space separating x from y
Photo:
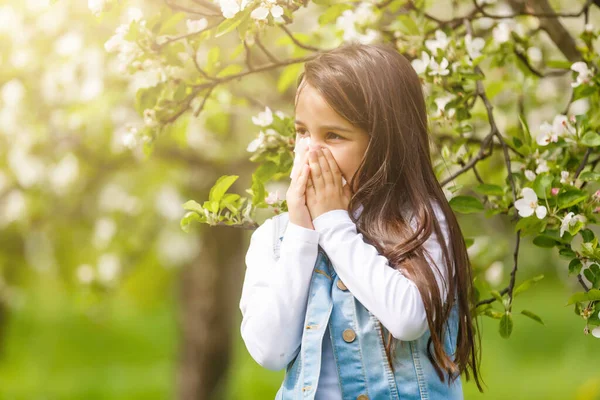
x=114 y=113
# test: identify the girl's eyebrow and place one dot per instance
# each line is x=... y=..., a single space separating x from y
x=334 y=127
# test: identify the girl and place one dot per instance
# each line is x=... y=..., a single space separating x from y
x=367 y=294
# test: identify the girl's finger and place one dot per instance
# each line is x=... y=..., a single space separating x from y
x=302 y=178
x=315 y=172
x=310 y=186
x=335 y=170
x=325 y=169
x=302 y=162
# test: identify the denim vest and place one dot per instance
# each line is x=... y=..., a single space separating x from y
x=357 y=340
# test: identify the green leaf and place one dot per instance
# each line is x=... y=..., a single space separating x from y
x=542 y=185
x=188 y=218
x=265 y=171
x=526 y=131
x=211 y=205
x=567 y=253
x=570 y=198
x=591 y=139
x=288 y=76
x=590 y=176
x=466 y=204
x=496 y=294
x=230 y=24
x=575 y=266
x=230 y=201
x=530 y=225
x=220 y=187
x=506 y=325
x=332 y=2
x=493 y=313
x=405 y=24
x=231 y=69
x=490 y=190
x=533 y=316
x=545 y=241
x=527 y=284
x=192 y=205
x=587 y=235
x=561 y=64
x=592 y=295
x=330 y=15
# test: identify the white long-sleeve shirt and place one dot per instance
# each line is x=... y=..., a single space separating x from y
x=275 y=293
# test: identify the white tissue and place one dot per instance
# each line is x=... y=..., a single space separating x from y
x=302 y=146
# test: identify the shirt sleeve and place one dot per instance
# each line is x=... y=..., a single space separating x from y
x=275 y=293
x=393 y=298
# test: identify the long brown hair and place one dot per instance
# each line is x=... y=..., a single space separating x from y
x=375 y=88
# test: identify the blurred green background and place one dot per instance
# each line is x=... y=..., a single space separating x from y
x=101 y=291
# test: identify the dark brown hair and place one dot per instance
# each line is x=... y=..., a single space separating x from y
x=375 y=88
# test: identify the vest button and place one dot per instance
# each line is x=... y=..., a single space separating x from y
x=362 y=397
x=341 y=285
x=349 y=335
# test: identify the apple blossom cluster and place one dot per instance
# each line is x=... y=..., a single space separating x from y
x=269 y=138
x=584 y=74
x=230 y=8
x=353 y=22
x=561 y=127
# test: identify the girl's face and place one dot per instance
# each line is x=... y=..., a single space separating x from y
x=326 y=128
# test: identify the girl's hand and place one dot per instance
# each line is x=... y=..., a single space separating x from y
x=296 y=196
x=325 y=191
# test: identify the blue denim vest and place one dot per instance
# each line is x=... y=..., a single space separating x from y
x=357 y=340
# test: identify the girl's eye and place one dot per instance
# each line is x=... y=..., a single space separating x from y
x=301 y=132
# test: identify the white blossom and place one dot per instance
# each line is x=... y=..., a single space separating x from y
x=534 y=54
x=439 y=69
x=104 y=230
x=69 y=44
x=542 y=166
x=196 y=25
x=564 y=175
x=588 y=27
x=584 y=74
x=474 y=46
x=229 y=8
x=134 y=14
x=596 y=332
x=501 y=33
x=528 y=204
x=441 y=41
x=130 y=139
x=96 y=6
x=364 y=14
x=493 y=274
x=272 y=198
x=348 y=22
x=266 y=7
x=109 y=267
x=530 y=175
x=569 y=220
x=85 y=273
x=65 y=173
x=550 y=133
x=441 y=103
x=12 y=93
x=257 y=143
x=150 y=118
x=264 y=118
x=420 y=64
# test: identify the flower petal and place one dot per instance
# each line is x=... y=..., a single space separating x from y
x=541 y=212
